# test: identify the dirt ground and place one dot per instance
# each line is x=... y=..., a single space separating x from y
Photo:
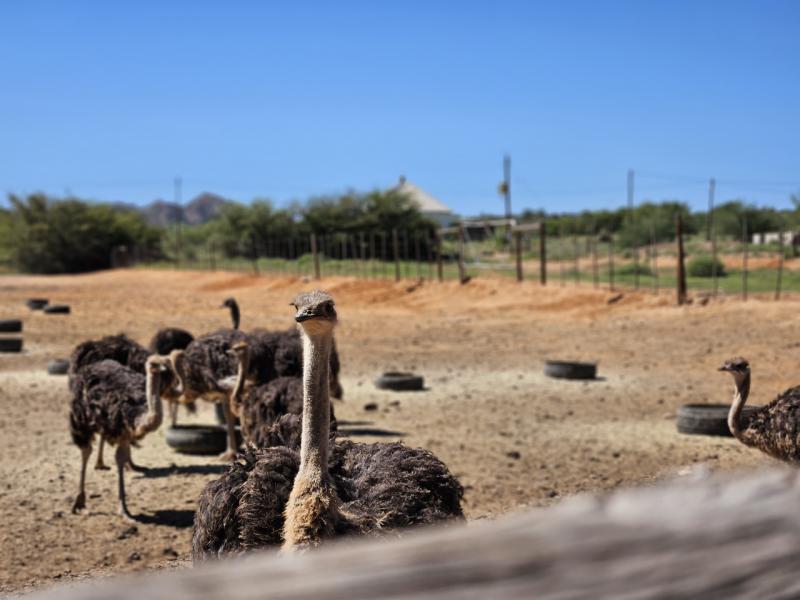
x=513 y=437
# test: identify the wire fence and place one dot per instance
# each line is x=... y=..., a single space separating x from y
x=523 y=252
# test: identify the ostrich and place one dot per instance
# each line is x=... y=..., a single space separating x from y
x=277 y=495
x=772 y=428
x=213 y=367
x=163 y=342
x=122 y=406
x=264 y=406
x=119 y=348
x=233 y=306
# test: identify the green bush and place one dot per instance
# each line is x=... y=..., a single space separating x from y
x=703 y=266
x=632 y=269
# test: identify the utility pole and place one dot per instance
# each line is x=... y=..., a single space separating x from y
x=712 y=184
x=507 y=184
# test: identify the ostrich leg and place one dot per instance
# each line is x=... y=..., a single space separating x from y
x=173 y=413
x=99 y=465
x=123 y=456
x=80 y=499
x=230 y=424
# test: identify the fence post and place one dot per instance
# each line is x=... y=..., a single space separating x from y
x=418 y=253
x=595 y=273
x=396 y=246
x=429 y=251
x=611 y=262
x=576 y=251
x=713 y=233
x=439 y=265
x=745 y=240
x=654 y=257
x=681 y=284
x=543 y=252
x=462 y=276
x=372 y=254
x=212 y=258
x=315 y=255
x=780 y=265
x=518 y=245
x=561 y=254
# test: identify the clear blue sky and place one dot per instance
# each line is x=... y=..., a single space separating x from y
x=112 y=100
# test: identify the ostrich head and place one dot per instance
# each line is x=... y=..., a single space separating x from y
x=233 y=306
x=316 y=313
x=738 y=367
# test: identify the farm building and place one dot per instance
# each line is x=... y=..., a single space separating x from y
x=769 y=237
x=429 y=206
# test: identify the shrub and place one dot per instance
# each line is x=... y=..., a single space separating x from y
x=632 y=269
x=703 y=266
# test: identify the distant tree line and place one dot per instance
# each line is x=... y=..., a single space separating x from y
x=46 y=235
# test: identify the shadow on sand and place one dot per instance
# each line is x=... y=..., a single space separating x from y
x=180 y=519
x=373 y=431
x=155 y=472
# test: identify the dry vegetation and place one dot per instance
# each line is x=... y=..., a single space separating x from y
x=514 y=437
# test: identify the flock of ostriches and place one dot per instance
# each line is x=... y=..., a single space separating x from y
x=295 y=484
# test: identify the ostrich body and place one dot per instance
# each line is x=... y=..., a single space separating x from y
x=278 y=496
x=264 y=406
x=214 y=367
x=774 y=428
x=122 y=406
x=163 y=343
x=119 y=348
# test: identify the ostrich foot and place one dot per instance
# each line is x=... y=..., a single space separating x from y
x=227 y=456
x=101 y=466
x=125 y=514
x=134 y=467
x=79 y=504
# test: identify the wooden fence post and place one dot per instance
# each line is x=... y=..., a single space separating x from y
x=518 y=244
x=396 y=245
x=576 y=251
x=611 y=262
x=462 y=276
x=654 y=257
x=439 y=266
x=745 y=241
x=780 y=265
x=429 y=250
x=315 y=255
x=714 y=274
x=561 y=255
x=212 y=259
x=255 y=254
x=418 y=253
x=681 y=284
x=595 y=273
x=543 y=253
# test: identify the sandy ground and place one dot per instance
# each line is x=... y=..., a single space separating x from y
x=514 y=437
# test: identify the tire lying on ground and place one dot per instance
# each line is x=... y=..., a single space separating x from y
x=10 y=325
x=198 y=439
x=561 y=369
x=706 y=419
x=400 y=382
x=57 y=309
x=37 y=303
x=10 y=344
x=59 y=366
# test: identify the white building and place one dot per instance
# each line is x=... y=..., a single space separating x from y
x=770 y=237
x=429 y=206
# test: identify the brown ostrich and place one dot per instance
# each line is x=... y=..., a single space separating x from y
x=263 y=406
x=119 y=348
x=277 y=495
x=163 y=342
x=211 y=368
x=122 y=406
x=772 y=428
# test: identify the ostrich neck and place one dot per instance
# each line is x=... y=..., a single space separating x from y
x=151 y=420
x=740 y=394
x=316 y=405
x=180 y=373
x=241 y=376
x=235 y=316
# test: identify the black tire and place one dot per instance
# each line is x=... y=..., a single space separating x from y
x=570 y=370
x=57 y=309
x=37 y=303
x=10 y=325
x=706 y=419
x=400 y=382
x=198 y=439
x=10 y=344
x=59 y=366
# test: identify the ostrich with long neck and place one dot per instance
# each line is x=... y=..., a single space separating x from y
x=233 y=306
x=278 y=496
x=203 y=371
x=122 y=406
x=773 y=428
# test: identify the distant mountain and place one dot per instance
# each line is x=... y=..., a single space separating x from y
x=199 y=210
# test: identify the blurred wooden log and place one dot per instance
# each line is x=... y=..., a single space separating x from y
x=721 y=537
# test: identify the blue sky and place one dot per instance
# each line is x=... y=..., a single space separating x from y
x=111 y=101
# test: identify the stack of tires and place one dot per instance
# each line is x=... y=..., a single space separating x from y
x=10 y=343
